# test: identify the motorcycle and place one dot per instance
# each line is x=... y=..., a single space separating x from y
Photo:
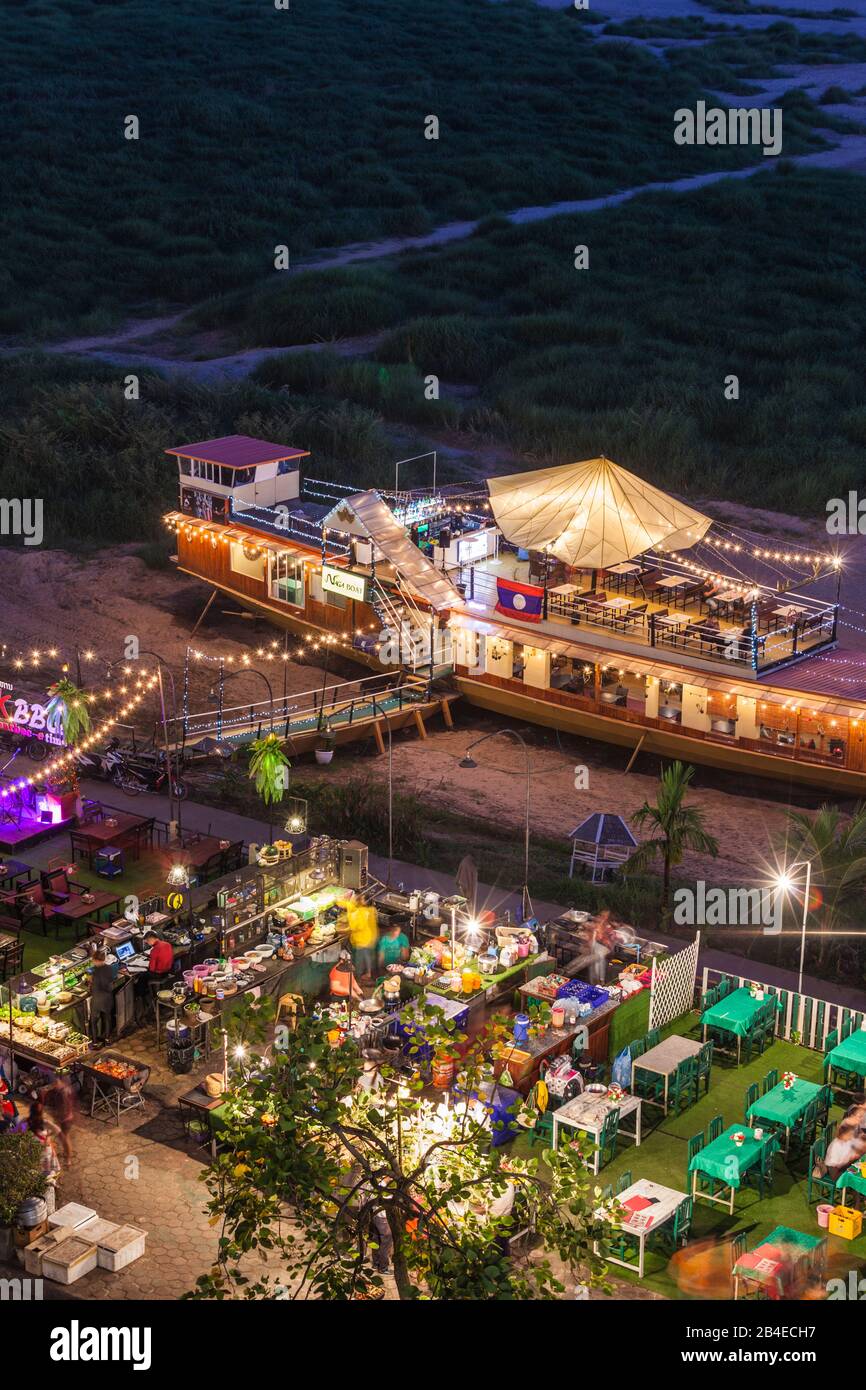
x=102 y=763
x=146 y=773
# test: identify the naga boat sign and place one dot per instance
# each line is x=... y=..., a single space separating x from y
x=336 y=581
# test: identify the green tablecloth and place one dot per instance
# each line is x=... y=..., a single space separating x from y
x=783 y=1107
x=774 y=1263
x=724 y=1160
x=736 y=1013
x=850 y=1055
x=852 y=1177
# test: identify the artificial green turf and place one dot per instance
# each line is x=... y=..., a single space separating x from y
x=663 y=1153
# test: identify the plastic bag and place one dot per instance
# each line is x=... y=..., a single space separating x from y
x=620 y=1072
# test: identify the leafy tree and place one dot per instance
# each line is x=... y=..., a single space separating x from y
x=675 y=828
x=310 y=1164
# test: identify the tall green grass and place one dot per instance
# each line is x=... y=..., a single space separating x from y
x=761 y=279
x=304 y=127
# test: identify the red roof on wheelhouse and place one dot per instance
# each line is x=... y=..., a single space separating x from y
x=238 y=451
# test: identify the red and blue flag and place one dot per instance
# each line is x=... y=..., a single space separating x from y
x=522 y=601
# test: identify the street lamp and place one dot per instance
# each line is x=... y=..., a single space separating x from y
x=252 y=671
x=172 y=779
x=785 y=883
x=466 y=761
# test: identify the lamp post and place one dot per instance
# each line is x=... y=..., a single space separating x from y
x=253 y=671
x=375 y=705
x=466 y=761
x=785 y=883
x=172 y=780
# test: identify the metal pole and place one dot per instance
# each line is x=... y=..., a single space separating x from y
x=165 y=741
x=376 y=706
x=805 y=918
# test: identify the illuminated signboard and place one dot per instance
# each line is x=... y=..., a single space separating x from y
x=28 y=717
x=346 y=585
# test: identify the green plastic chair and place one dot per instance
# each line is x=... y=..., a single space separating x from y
x=825 y=1100
x=770 y=1080
x=696 y=1143
x=683 y=1085
x=649 y=1086
x=637 y=1048
x=831 y=1041
x=675 y=1233
x=819 y=1186
x=846 y=1030
x=828 y=1133
x=607 y=1192
x=715 y=1128
x=738 y=1247
x=763 y=1175
x=625 y=1180
x=653 y=1038
x=608 y=1137
x=704 y=1068
x=750 y=1098
x=543 y=1131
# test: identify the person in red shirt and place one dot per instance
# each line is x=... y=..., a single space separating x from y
x=161 y=957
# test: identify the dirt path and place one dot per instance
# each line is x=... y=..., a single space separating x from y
x=147 y=342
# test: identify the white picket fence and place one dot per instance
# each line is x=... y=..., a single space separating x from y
x=812 y=1018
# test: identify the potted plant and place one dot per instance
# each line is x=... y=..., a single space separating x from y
x=326 y=741
x=21 y=1177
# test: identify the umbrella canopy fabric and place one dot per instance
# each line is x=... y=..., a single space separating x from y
x=592 y=514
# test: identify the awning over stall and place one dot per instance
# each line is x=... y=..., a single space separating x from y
x=592 y=514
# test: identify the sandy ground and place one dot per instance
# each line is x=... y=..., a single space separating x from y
x=746 y=821
x=53 y=598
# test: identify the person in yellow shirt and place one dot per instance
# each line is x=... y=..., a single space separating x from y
x=363 y=938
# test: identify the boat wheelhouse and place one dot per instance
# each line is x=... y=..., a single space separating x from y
x=581 y=598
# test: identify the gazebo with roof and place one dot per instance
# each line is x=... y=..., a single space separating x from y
x=603 y=842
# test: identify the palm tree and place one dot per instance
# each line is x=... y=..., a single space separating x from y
x=676 y=828
x=835 y=845
x=70 y=703
x=268 y=767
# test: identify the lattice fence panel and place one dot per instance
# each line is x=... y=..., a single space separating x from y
x=673 y=985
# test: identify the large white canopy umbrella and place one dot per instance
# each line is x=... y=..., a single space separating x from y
x=591 y=515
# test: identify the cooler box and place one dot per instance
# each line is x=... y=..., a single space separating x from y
x=97 y=1229
x=35 y=1253
x=73 y=1214
x=70 y=1260
x=845 y=1222
x=120 y=1247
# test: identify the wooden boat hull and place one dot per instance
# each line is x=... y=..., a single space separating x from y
x=728 y=757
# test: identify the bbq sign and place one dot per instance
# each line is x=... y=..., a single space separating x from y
x=21 y=715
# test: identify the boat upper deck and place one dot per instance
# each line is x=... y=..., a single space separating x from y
x=657 y=607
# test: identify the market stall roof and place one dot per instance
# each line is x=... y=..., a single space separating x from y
x=591 y=514
x=365 y=514
x=238 y=451
x=604 y=828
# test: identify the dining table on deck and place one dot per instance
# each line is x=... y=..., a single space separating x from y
x=663 y=1059
x=727 y=1162
x=647 y=1206
x=783 y=1105
x=15 y=874
x=780 y=1263
x=588 y=1113
x=121 y=830
x=736 y=1014
x=849 y=1055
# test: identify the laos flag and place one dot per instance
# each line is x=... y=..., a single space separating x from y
x=522 y=601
